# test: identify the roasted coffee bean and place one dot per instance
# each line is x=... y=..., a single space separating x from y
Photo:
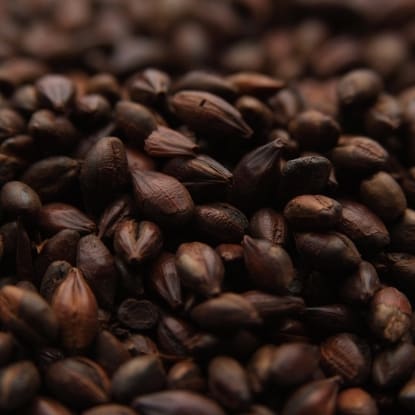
x=19 y=383
x=21 y=145
x=138 y=160
x=149 y=86
x=54 y=134
x=136 y=242
x=200 y=268
x=56 y=217
x=255 y=173
x=382 y=194
x=164 y=142
x=393 y=366
x=359 y=156
x=76 y=310
x=28 y=316
x=175 y=403
x=259 y=368
x=26 y=99
x=52 y=177
x=209 y=114
x=10 y=167
x=19 y=200
x=257 y=84
x=135 y=121
x=47 y=406
x=122 y=208
x=78 y=382
x=314 y=397
x=201 y=175
x=220 y=221
x=384 y=118
x=403 y=233
x=138 y=345
x=268 y=224
x=11 y=123
x=304 y=175
x=331 y=251
x=313 y=211
x=228 y=383
x=356 y=401
x=104 y=173
x=359 y=88
x=60 y=247
x=139 y=376
x=54 y=275
x=138 y=314
x=347 y=356
x=390 y=314
x=110 y=352
x=96 y=263
x=293 y=364
x=398 y=267
x=92 y=110
x=269 y=305
x=363 y=227
x=361 y=286
x=227 y=311
x=332 y=318
x=256 y=114
x=269 y=265
x=55 y=91
x=206 y=81
x=104 y=84
x=186 y=374
x=314 y=130
x=162 y=198
x=165 y=280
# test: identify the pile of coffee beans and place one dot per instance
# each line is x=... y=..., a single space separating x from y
x=207 y=207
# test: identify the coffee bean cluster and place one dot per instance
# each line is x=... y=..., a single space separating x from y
x=207 y=207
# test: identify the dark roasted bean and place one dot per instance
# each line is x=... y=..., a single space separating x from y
x=347 y=356
x=175 y=403
x=228 y=383
x=200 y=268
x=356 y=401
x=268 y=224
x=28 y=316
x=139 y=376
x=97 y=265
x=314 y=397
x=78 y=382
x=209 y=114
x=390 y=314
x=162 y=198
x=393 y=366
x=137 y=314
x=76 y=310
x=269 y=265
x=328 y=252
x=104 y=173
x=19 y=383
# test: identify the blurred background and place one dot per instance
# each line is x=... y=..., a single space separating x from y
x=287 y=39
